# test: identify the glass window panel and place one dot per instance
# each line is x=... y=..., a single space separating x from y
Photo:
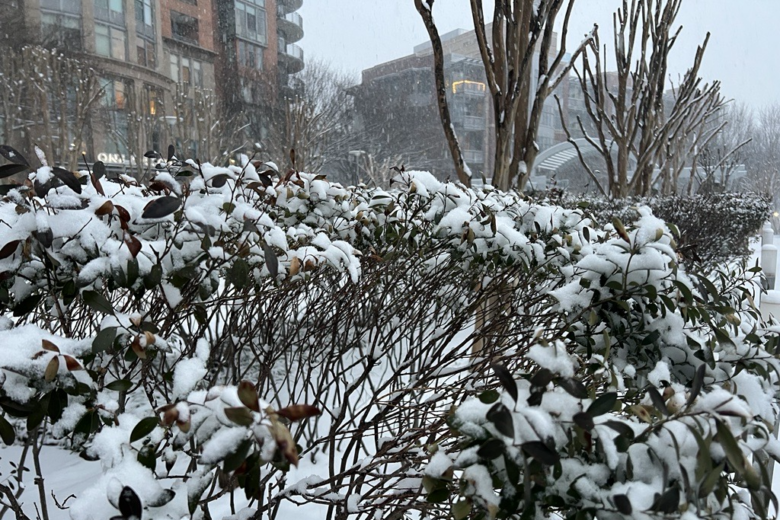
x=116 y=6
x=175 y=68
x=197 y=73
x=185 y=71
x=118 y=47
x=119 y=95
x=102 y=40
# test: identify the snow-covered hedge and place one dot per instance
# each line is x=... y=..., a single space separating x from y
x=228 y=338
x=713 y=228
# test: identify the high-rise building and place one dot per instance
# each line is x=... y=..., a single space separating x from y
x=397 y=99
x=167 y=71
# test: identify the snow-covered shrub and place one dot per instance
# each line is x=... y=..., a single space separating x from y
x=657 y=402
x=713 y=228
x=175 y=330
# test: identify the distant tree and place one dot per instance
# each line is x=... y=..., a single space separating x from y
x=727 y=151
x=46 y=98
x=762 y=156
x=522 y=71
x=644 y=131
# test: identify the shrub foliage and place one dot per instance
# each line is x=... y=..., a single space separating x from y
x=233 y=338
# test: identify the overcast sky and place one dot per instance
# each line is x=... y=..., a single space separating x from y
x=742 y=54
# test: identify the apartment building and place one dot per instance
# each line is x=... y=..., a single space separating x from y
x=409 y=82
x=169 y=71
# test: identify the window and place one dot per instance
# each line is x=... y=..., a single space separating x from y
x=146 y=53
x=184 y=28
x=114 y=94
x=110 y=42
x=250 y=22
x=187 y=71
x=111 y=11
x=62 y=6
x=250 y=55
x=61 y=30
x=144 y=18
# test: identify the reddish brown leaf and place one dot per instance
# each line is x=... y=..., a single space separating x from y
x=51 y=369
x=9 y=249
x=105 y=209
x=247 y=393
x=124 y=216
x=96 y=184
x=137 y=348
x=284 y=442
x=295 y=266
x=133 y=244
x=48 y=345
x=71 y=364
x=170 y=416
x=297 y=412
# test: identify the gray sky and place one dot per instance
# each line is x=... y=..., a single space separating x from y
x=742 y=53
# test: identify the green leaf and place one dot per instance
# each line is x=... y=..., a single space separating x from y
x=506 y=380
x=669 y=502
x=7 y=432
x=583 y=420
x=129 y=503
x=146 y=457
x=271 y=261
x=104 y=340
x=731 y=447
x=27 y=305
x=120 y=385
x=97 y=302
x=240 y=415
x=68 y=178
x=461 y=510
x=574 y=388
x=144 y=427
x=602 y=405
x=489 y=397
x=162 y=207
x=658 y=401
x=162 y=498
x=541 y=378
x=234 y=460
x=541 y=452
x=697 y=383
x=438 y=496
x=623 y=504
x=622 y=428
x=238 y=274
x=712 y=478
x=491 y=449
x=501 y=418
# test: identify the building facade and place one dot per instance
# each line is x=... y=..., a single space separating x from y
x=161 y=71
x=406 y=88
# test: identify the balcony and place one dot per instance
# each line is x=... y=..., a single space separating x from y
x=289 y=5
x=290 y=57
x=474 y=156
x=291 y=24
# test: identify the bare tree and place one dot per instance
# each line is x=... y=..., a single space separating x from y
x=727 y=151
x=644 y=132
x=46 y=98
x=762 y=157
x=316 y=120
x=522 y=70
